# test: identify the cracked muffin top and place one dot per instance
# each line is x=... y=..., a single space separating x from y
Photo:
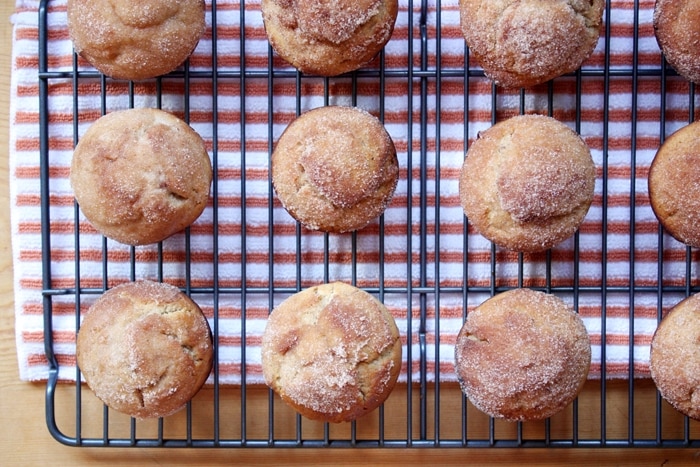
x=145 y=349
x=522 y=43
x=140 y=175
x=328 y=38
x=527 y=183
x=332 y=352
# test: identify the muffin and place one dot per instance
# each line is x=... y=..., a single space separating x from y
x=527 y=183
x=135 y=40
x=677 y=31
x=675 y=357
x=140 y=175
x=674 y=184
x=332 y=352
x=328 y=38
x=145 y=349
x=521 y=43
x=335 y=169
x=522 y=355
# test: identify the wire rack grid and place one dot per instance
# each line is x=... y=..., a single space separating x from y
x=414 y=268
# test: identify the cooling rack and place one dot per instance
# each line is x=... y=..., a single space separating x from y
x=433 y=100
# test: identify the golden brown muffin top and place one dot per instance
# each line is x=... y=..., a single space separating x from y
x=145 y=349
x=332 y=352
x=135 y=40
x=521 y=43
x=522 y=355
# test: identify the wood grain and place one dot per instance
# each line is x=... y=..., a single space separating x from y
x=24 y=438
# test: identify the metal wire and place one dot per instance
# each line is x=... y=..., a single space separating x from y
x=426 y=424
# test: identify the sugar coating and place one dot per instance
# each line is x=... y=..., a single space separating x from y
x=335 y=168
x=677 y=31
x=135 y=40
x=141 y=175
x=145 y=349
x=675 y=357
x=328 y=38
x=521 y=43
x=332 y=352
x=674 y=184
x=527 y=183
x=522 y=355
x=335 y=21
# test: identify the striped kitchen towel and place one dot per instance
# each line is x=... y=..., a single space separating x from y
x=245 y=254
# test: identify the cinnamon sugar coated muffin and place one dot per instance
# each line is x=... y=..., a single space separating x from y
x=328 y=38
x=674 y=184
x=145 y=349
x=335 y=169
x=677 y=31
x=332 y=352
x=527 y=183
x=675 y=357
x=521 y=43
x=135 y=40
x=522 y=355
x=140 y=175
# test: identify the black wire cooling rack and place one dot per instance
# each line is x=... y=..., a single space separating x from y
x=610 y=412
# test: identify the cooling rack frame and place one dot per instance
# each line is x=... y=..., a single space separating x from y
x=424 y=419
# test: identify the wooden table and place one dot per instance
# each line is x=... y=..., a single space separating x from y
x=24 y=438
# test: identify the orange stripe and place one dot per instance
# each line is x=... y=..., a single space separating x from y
x=621 y=340
x=59 y=337
x=449 y=87
x=345 y=257
x=40 y=359
x=595 y=142
x=448 y=60
x=618 y=369
x=289 y=229
x=446 y=116
x=223 y=282
x=389 y=282
x=237 y=341
x=616 y=311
